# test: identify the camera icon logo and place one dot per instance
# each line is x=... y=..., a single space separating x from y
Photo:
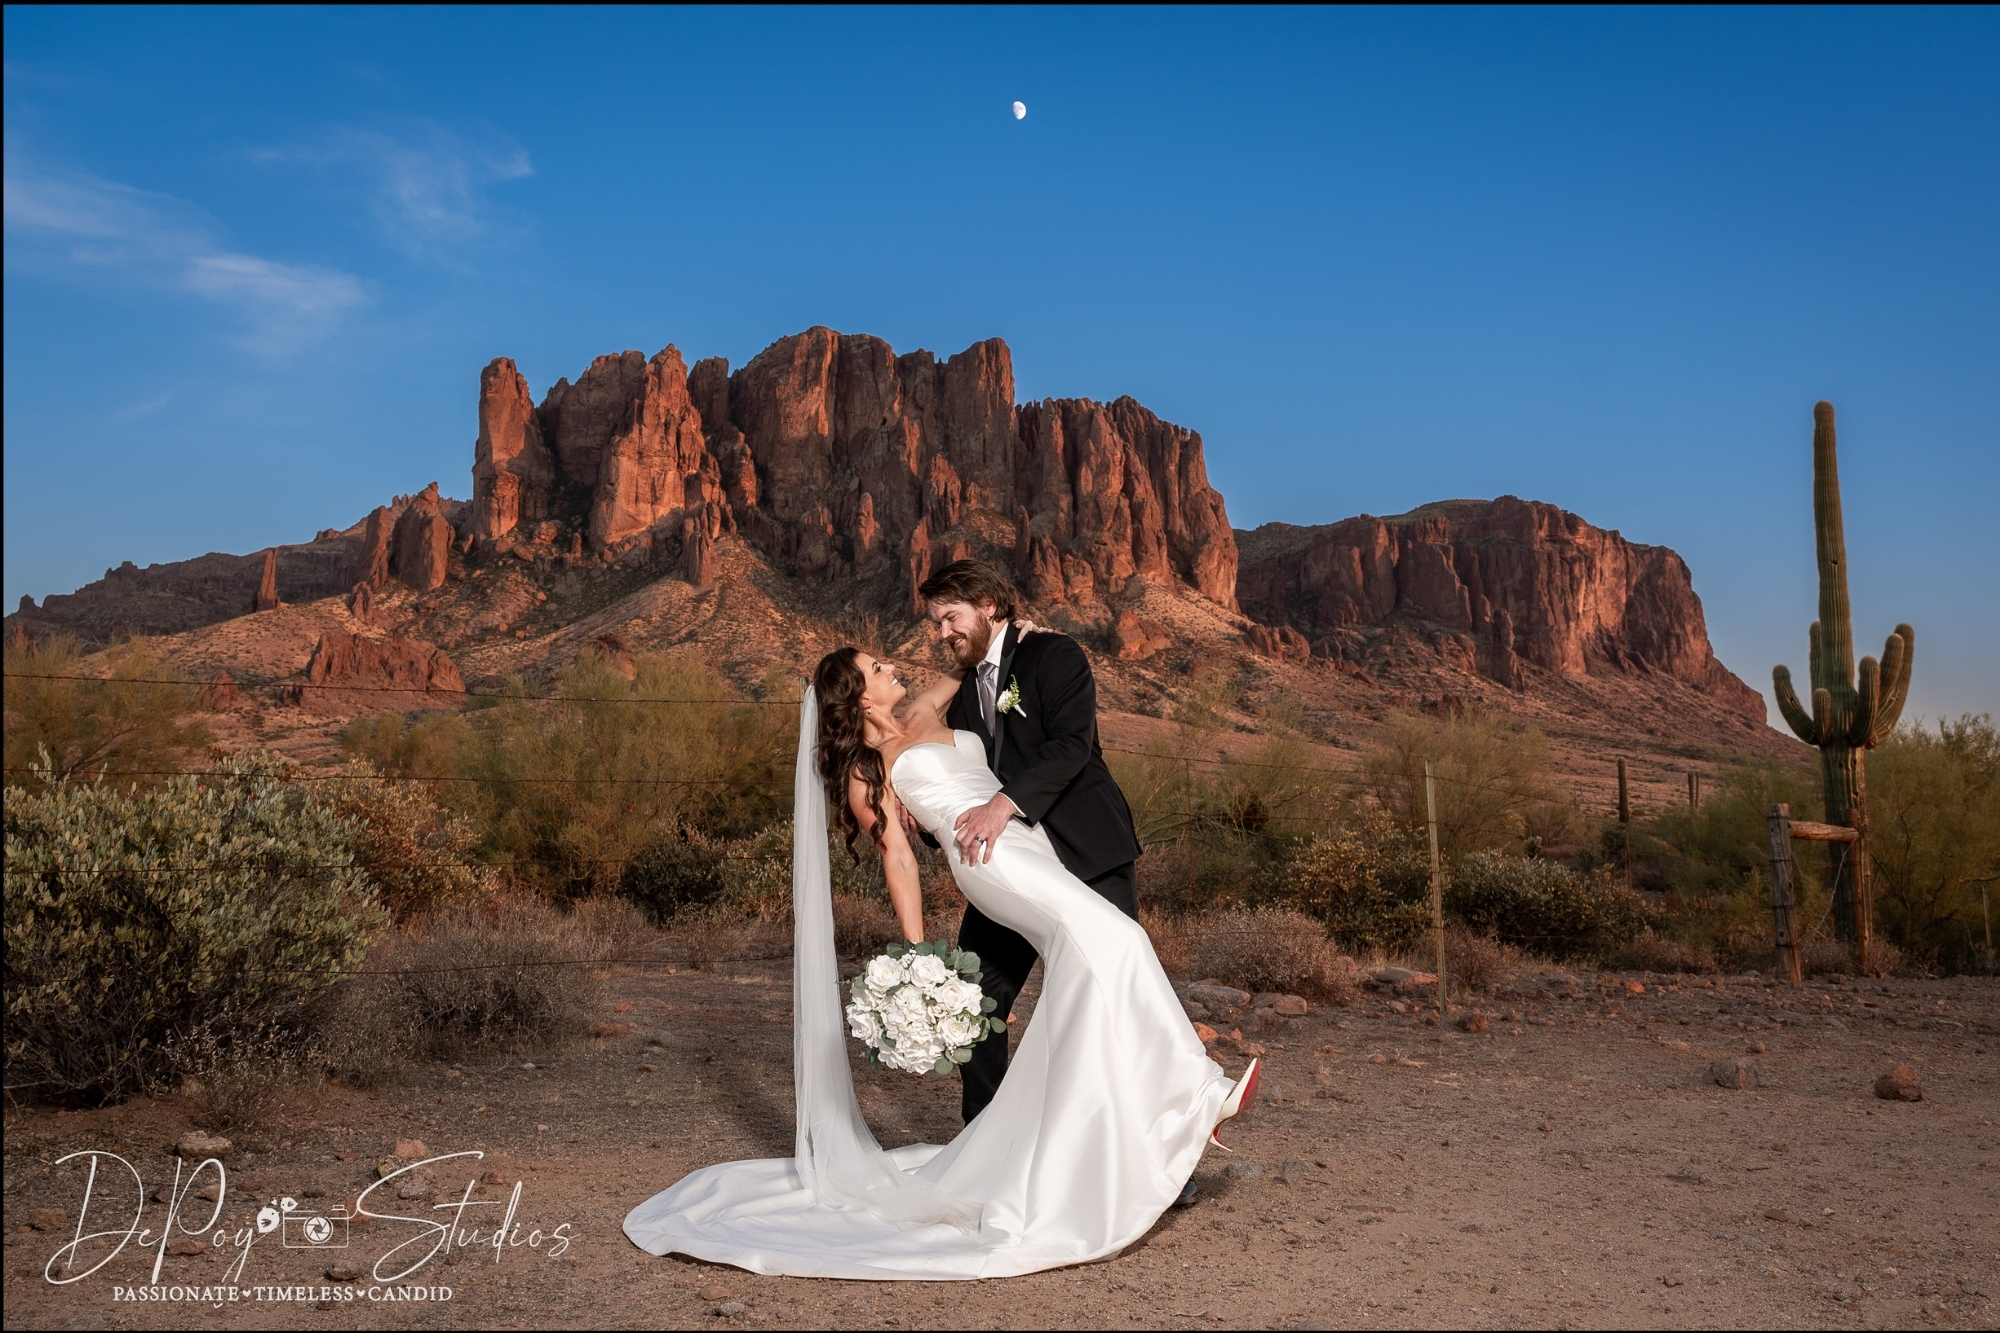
x=315 y=1230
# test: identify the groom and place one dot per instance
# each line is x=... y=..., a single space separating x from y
x=1033 y=702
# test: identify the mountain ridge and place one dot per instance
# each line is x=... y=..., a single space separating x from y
x=807 y=493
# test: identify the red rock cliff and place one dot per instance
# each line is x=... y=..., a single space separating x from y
x=1527 y=581
x=839 y=458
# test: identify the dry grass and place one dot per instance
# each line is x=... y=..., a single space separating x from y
x=701 y=937
x=1173 y=940
x=1474 y=961
x=239 y=1075
x=1824 y=956
x=507 y=974
x=1651 y=952
x=863 y=927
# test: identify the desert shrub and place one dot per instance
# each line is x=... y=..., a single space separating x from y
x=1822 y=955
x=58 y=727
x=1368 y=881
x=436 y=743
x=623 y=929
x=1724 y=845
x=1934 y=815
x=1934 y=834
x=238 y=1073
x=420 y=855
x=577 y=784
x=1216 y=832
x=1474 y=961
x=1651 y=951
x=504 y=974
x=1270 y=949
x=1714 y=862
x=134 y=915
x=1886 y=959
x=674 y=872
x=1493 y=781
x=1542 y=905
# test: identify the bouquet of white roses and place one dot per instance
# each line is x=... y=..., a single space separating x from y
x=918 y=1008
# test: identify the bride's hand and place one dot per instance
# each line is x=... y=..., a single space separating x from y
x=1028 y=627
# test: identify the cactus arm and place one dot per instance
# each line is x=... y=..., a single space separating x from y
x=1894 y=689
x=1865 y=703
x=1795 y=716
x=1823 y=713
x=1815 y=659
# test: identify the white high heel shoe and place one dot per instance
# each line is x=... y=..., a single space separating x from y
x=1239 y=1100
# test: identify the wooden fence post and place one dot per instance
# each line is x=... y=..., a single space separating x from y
x=1625 y=822
x=1782 y=915
x=1437 y=882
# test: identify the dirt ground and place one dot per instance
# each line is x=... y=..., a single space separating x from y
x=1575 y=1165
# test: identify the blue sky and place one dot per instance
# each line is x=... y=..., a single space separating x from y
x=1603 y=258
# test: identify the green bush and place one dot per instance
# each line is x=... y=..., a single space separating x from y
x=568 y=788
x=1217 y=833
x=136 y=915
x=420 y=856
x=1934 y=832
x=116 y=726
x=1493 y=782
x=678 y=871
x=1368 y=881
x=1543 y=906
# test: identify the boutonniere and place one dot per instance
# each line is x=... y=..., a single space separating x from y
x=1010 y=698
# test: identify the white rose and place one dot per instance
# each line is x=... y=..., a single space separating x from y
x=930 y=970
x=961 y=996
x=956 y=1032
x=864 y=1025
x=883 y=973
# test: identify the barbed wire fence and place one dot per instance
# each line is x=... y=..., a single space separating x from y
x=296 y=692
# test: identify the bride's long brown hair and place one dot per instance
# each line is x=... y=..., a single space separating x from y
x=838 y=684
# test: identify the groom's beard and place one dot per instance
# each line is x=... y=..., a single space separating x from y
x=969 y=649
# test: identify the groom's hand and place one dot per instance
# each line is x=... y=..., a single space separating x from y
x=980 y=827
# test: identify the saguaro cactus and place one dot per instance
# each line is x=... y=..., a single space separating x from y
x=1851 y=712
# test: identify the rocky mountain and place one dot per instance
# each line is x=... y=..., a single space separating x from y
x=759 y=515
x=838 y=459
x=1509 y=581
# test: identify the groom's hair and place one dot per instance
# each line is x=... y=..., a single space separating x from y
x=971 y=582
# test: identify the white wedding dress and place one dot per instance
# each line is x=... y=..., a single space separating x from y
x=1107 y=1103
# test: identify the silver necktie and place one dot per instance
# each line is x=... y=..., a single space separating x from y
x=987 y=675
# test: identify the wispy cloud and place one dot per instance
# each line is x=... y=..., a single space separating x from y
x=82 y=221
x=145 y=409
x=428 y=190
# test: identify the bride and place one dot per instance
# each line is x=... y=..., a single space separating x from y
x=1108 y=1099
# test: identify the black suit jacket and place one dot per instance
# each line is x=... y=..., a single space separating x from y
x=1047 y=756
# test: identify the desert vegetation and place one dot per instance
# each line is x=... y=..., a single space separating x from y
x=458 y=882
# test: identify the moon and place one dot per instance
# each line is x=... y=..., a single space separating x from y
x=1020 y=110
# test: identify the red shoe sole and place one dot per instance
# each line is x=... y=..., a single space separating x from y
x=1250 y=1092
